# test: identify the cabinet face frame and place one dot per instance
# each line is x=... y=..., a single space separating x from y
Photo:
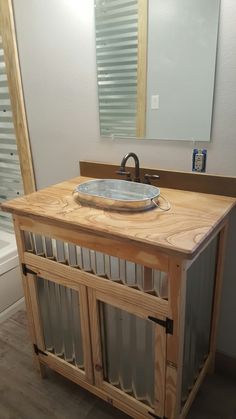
x=47 y=357
x=95 y=298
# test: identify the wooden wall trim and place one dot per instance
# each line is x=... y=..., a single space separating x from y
x=16 y=94
x=142 y=68
x=196 y=182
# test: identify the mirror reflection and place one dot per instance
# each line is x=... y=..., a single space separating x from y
x=156 y=67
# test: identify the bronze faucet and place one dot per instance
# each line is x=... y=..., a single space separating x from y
x=122 y=170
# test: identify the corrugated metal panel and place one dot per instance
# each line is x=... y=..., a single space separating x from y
x=128 y=352
x=110 y=267
x=59 y=307
x=11 y=184
x=200 y=287
x=116 y=51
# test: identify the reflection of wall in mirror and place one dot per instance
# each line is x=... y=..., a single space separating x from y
x=182 y=39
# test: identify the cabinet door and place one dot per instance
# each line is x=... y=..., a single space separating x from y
x=129 y=354
x=61 y=325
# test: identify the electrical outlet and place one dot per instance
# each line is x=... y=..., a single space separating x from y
x=199 y=160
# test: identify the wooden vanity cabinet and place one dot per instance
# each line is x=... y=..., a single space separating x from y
x=128 y=318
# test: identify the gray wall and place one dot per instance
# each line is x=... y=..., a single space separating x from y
x=57 y=56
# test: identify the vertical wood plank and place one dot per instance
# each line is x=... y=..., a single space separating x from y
x=176 y=299
x=95 y=337
x=170 y=391
x=160 y=370
x=85 y=327
x=21 y=249
x=16 y=94
x=142 y=68
x=217 y=292
x=40 y=367
x=20 y=241
x=175 y=342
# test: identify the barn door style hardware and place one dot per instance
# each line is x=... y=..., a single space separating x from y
x=168 y=324
x=156 y=417
x=26 y=270
x=39 y=351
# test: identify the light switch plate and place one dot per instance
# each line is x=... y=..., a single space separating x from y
x=155 y=102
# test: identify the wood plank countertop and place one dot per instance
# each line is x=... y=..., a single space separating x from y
x=181 y=231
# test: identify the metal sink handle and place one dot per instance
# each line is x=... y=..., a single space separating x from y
x=148 y=177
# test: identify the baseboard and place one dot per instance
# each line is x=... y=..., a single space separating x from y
x=225 y=364
x=18 y=305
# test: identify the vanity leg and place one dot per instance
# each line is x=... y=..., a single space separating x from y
x=40 y=367
x=175 y=342
x=21 y=248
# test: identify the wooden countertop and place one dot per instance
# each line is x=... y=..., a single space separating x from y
x=193 y=217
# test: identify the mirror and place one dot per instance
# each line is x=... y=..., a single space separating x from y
x=156 y=67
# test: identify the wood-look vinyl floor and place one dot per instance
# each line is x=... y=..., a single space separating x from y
x=24 y=395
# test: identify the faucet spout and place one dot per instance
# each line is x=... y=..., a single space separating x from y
x=136 y=161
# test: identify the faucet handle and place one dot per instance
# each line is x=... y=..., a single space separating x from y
x=148 y=177
x=124 y=173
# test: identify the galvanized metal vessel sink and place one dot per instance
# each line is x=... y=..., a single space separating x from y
x=117 y=194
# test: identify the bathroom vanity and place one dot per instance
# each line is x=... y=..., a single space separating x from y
x=124 y=304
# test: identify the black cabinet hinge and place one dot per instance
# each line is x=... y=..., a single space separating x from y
x=155 y=416
x=168 y=324
x=26 y=270
x=39 y=351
